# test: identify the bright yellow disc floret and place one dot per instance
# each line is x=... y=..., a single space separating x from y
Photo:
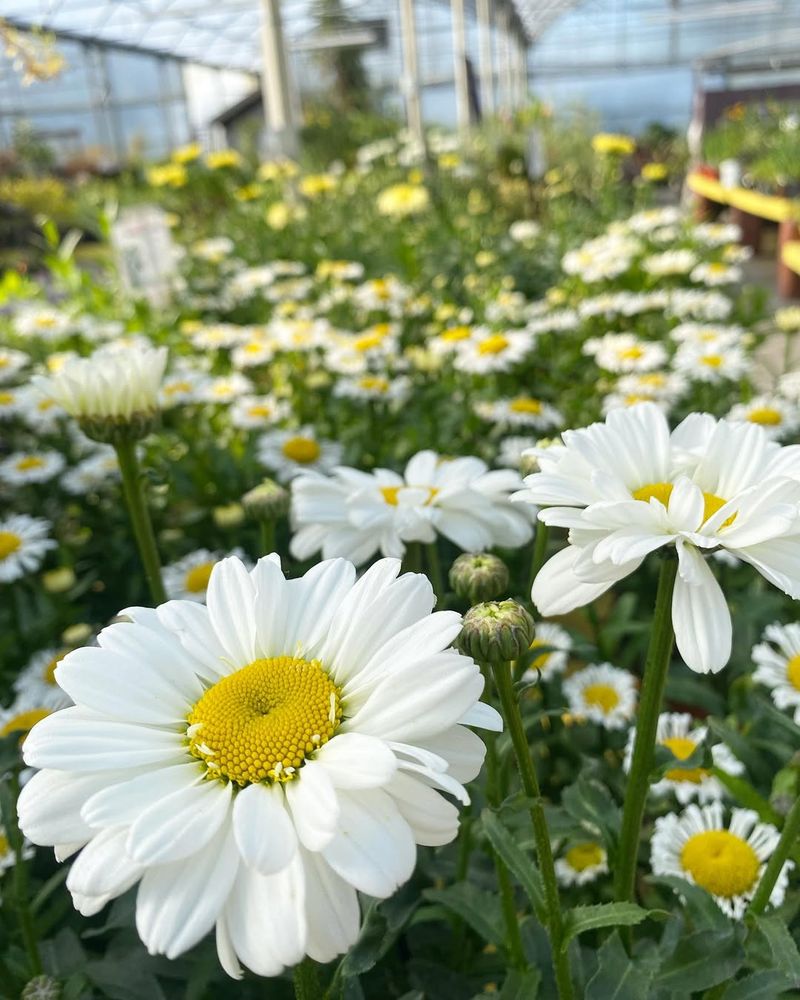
x=722 y=863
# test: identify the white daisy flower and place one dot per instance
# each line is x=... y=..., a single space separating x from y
x=217 y=336
x=11 y=363
x=716 y=234
x=11 y=402
x=666 y=386
x=187 y=579
x=182 y=387
x=495 y=352
x=213 y=249
x=602 y=694
x=524 y=231
x=225 y=388
x=582 y=863
x=708 y=336
x=23 y=544
x=258 y=411
x=39 y=411
x=710 y=364
x=679 y=732
x=256 y=763
x=521 y=411
x=779 y=665
x=360 y=513
x=557 y=644
x=22 y=468
x=778 y=417
x=256 y=351
x=511 y=450
x=245 y=283
x=670 y=263
x=299 y=334
x=98 y=470
x=36 y=682
x=374 y=387
x=727 y=861
x=43 y=322
x=653 y=218
x=116 y=384
x=714 y=273
x=695 y=303
x=385 y=294
x=625 y=352
x=627 y=487
x=287 y=453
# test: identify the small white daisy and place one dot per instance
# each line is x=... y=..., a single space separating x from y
x=602 y=694
x=258 y=411
x=22 y=468
x=23 y=543
x=682 y=736
x=287 y=453
x=495 y=352
x=582 y=863
x=11 y=402
x=625 y=352
x=556 y=645
x=225 y=388
x=716 y=273
x=779 y=665
x=670 y=263
x=511 y=450
x=710 y=364
x=728 y=862
x=521 y=411
x=777 y=416
x=374 y=387
x=36 y=682
x=187 y=579
x=93 y=473
x=11 y=362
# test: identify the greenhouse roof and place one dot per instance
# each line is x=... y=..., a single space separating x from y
x=216 y=32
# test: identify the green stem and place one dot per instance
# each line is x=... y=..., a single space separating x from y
x=654 y=681
x=306 y=981
x=140 y=518
x=267 y=535
x=494 y=797
x=789 y=837
x=544 y=852
x=21 y=893
x=539 y=552
x=435 y=572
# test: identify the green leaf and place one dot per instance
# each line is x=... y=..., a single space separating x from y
x=617 y=976
x=747 y=796
x=521 y=866
x=701 y=960
x=702 y=910
x=590 y=802
x=481 y=910
x=588 y=918
x=782 y=945
x=768 y=984
x=521 y=985
x=690 y=691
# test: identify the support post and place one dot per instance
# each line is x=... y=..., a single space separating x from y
x=460 y=64
x=410 y=79
x=281 y=133
x=485 y=9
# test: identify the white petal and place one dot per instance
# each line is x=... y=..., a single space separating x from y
x=178 y=904
x=332 y=912
x=354 y=760
x=124 y=802
x=264 y=831
x=557 y=590
x=373 y=848
x=433 y=820
x=700 y=615
x=463 y=750
x=49 y=806
x=180 y=824
x=103 y=868
x=314 y=806
x=231 y=607
x=483 y=716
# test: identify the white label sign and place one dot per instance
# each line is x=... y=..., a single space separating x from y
x=146 y=256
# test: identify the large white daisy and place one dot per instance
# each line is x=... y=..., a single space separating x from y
x=356 y=514
x=726 y=861
x=627 y=487
x=254 y=763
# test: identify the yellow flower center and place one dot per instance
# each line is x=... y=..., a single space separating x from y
x=5 y=847
x=45 y=322
x=29 y=462
x=374 y=383
x=175 y=387
x=6 y=398
x=390 y=494
x=49 y=672
x=602 y=696
x=261 y=723
x=583 y=856
x=495 y=344
x=793 y=671
x=525 y=405
x=711 y=360
x=196 y=580
x=457 y=333
x=368 y=341
x=663 y=491
x=720 y=862
x=765 y=415
x=9 y=543
x=631 y=353
x=717 y=268
x=682 y=747
x=24 y=721
x=654 y=379
x=260 y=410
x=301 y=449
x=539 y=662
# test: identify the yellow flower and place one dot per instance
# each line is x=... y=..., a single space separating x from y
x=401 y=200
x=167 y=175
x=449 y=161
x=222 y=159
x=274 y=170
x=280 y=214
x=186 y=154
x=485 y=258
x=247 y=193
x=313 y=185
x=613 y=144
x=655 y=172
x=415 y=176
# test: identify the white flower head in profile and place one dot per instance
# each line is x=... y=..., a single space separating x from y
x=256 y=762
x=628 y=487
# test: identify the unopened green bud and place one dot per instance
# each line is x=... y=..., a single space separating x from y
x=41 y=988
x=116 y=430
x=269 y=500
x=781 y=802
x=478 y=577
x=496 y=631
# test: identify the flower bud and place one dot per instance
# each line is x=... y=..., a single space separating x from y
x=75 y=635
x=41 y=988
x=269 y=500
x=228 y=516
x=496 y=632
x=478 y=577
x=56 y=581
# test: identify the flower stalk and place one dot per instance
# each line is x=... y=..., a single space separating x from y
x=654 y=681
x=140 y=518
x=306 y=981
x=789 y=837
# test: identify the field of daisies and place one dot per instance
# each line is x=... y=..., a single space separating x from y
x=403 y=605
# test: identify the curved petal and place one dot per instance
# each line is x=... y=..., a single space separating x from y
x=332 y=912
x=354 y=760
x=314 y=805
x=180 y=824
x=700 y=615
x=230 y=600
x=264 y=831
x=557 y=590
